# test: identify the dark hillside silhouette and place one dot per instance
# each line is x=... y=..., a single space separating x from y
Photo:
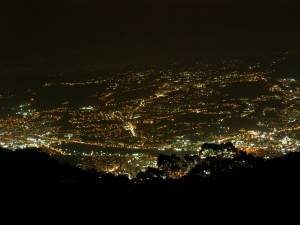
x=31 y=167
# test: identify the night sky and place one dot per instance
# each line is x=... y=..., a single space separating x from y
x=77 y=34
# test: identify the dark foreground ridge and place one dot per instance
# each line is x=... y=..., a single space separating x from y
x=32 y=167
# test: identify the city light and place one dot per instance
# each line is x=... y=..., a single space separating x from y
x=171 y=112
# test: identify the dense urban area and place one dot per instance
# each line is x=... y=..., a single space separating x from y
x=120 y=123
